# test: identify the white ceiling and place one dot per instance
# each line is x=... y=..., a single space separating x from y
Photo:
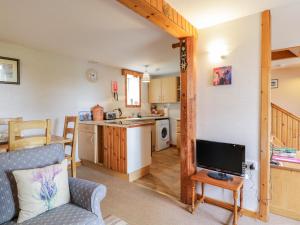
x=205 y=13
x=96 y=30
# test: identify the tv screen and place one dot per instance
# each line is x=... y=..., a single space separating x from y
x=222 y=157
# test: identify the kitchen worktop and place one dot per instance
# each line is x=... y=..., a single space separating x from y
x=127 y=122
x=119 y=123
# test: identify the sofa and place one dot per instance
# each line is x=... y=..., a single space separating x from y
x=84 y=208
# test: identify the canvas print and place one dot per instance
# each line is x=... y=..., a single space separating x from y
x=222 y=75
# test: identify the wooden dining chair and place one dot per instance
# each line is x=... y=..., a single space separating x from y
x=71 y=132
x=4 y=122
x=17 y=141
x=4 y=132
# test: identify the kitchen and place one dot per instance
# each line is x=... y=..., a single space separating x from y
x=128 y=141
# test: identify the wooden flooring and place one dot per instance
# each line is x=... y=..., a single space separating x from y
x=164 y=174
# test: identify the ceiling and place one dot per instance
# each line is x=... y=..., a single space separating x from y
x=205 y=13
x=105 y=31
x=96 y=30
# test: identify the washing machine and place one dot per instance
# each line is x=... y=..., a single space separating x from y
x=162 y=134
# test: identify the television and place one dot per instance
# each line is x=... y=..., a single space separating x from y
x=224 y=158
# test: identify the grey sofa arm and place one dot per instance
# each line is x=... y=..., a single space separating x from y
x=87 y=195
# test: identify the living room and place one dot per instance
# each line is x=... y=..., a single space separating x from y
x=52 y=47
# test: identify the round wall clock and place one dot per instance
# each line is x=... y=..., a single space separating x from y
x=91 y=75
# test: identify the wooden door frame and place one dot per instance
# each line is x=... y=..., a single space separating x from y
x=161 y=14
x=265 y=115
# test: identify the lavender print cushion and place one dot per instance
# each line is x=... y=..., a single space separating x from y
x=42 y=189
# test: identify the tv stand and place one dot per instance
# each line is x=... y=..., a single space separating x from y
x=219 y=176
x=235 y=184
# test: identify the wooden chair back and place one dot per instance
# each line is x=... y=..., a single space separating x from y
x=71 y=132
x=4 y=121
x=15 y=128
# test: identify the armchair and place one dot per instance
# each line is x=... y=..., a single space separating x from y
x=86 y=196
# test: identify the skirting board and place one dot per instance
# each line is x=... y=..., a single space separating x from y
x=285 y=213
x=228 y=206
x=129 y=177
x=138 y=173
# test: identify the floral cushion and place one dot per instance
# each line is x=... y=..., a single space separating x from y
x=42 y=189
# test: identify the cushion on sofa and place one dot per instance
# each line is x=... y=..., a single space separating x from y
x=42 y=189
x=17 y=160
x=68 y=214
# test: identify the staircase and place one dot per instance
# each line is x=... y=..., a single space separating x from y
x=286 y=127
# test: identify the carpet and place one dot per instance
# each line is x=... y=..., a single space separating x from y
x=113 y=220
x=141 y=206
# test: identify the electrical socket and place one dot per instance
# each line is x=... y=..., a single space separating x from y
x=251 y=165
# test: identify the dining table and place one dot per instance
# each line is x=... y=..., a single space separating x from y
x=54 y=140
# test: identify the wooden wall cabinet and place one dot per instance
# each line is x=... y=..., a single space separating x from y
x=88 y=142
x=164 y=90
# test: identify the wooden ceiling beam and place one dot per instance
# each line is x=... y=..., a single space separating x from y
x=163 y=15
x=283 y=54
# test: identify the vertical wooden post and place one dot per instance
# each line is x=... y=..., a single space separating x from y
x=188 y=120
x=265 y=116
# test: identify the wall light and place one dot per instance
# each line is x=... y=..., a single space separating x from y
x=217 y=50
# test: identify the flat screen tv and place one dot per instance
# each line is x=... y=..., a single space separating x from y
x=224 y=158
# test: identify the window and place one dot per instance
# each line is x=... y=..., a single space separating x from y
x=132 y=88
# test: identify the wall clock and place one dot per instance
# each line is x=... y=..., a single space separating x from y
x=92 y=75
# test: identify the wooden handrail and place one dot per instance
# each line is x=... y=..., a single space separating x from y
x=285 y=111
x=285 y=127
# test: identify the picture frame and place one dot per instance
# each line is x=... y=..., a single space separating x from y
x=9 y=70
x=274 y=83
x=85 y=116
x=222 y=75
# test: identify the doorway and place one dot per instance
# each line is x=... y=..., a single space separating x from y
x=285 y=123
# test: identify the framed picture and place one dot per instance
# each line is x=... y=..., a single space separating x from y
x=9 y=70
x=274 y=83
x=85 y=115
x=222 y=75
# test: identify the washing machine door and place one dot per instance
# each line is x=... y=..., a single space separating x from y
x=164 y=133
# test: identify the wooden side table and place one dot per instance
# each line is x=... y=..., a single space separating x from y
x=235 y=185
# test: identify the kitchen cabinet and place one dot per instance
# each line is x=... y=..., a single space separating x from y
x=164 y=90
x=114 y=139
x=88 y=142
x=123 y=148
x=155 y=91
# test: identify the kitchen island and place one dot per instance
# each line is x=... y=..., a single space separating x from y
x=122 y=146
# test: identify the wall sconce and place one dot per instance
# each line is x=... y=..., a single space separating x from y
x=218 y=51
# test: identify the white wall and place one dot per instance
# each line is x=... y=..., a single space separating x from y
x=287 y=94
x=53 y=86
x=285 y=21
x=231 y=113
